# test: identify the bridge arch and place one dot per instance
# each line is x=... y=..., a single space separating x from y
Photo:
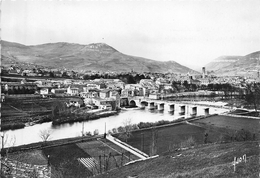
x=144 y=103
x=132 y=103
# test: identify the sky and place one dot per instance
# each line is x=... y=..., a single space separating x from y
x=190 y=32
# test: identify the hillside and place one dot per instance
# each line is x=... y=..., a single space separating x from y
x=213 y=160
x=247 y=65
x=95 y=56
x=222 y=61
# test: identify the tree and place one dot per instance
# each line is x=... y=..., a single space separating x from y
x=58 y=108
x=154 y=142
x=6 y=143
x=128 y=127
x=51 y=74
x=45 y=135
x=96 y=132
x=253 y=94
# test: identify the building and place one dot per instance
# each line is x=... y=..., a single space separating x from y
x=104 y=103
x=44 y=91
x=59 y=91
x=18 y=88
x=72 y=91
x=203 y=72
x=104 y=93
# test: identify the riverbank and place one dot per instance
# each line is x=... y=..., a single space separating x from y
x=91 y=115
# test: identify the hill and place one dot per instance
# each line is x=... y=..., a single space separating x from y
x=222 y=61
x=213 y=160
x=247 y=65
x=95 y=56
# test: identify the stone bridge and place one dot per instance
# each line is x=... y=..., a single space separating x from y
x=168 y=106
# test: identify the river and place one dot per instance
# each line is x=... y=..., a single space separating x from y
x=31 y=134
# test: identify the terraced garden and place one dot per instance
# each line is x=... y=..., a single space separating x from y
x=86 y=159
x=16 y=112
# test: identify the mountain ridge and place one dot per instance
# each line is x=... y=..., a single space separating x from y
x=93 y=56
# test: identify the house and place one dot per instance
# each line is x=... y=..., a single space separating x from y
x=59 y=91
x=104 y=93
x=154 y=95
x=96 y=85
x=77 y=102
x=115 y=95
x=136 y=89
x=89 y=94
x=127 y=93
x=103 y=103
x=75 y=89
x=57 y=74
x=204 y=81
x=195 y=82
x=72 y=91
x=115 y=85
x=18 y=88
x=44 y=91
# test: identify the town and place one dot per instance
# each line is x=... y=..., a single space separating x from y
x=129 y=89
x=33 y=98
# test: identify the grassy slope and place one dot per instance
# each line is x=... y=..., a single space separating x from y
x=34 y=157
x=214 y=160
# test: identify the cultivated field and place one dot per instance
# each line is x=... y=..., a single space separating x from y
x=168 y=137
x=86 y=159
x=34 y=157
x=21 y=110
x=235 y=123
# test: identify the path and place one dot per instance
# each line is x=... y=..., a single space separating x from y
x=127 y=147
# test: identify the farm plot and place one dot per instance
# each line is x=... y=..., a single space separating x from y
x=163 y=139
x=16 y=112
x=108 y=155
x=235 y=123
x=64 y=160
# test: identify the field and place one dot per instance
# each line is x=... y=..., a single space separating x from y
x=34 y=157
x=97 y=156
x=213 y=160
x=166 y=138
x=64 y=160
x=235 y=123
x=18 y=111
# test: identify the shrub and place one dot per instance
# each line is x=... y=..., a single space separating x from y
x=96 y=132
x=88 y=134
x=121 y=129
x=135 y=127
x=114 y=131
x=243 y=135
x=188 y=143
